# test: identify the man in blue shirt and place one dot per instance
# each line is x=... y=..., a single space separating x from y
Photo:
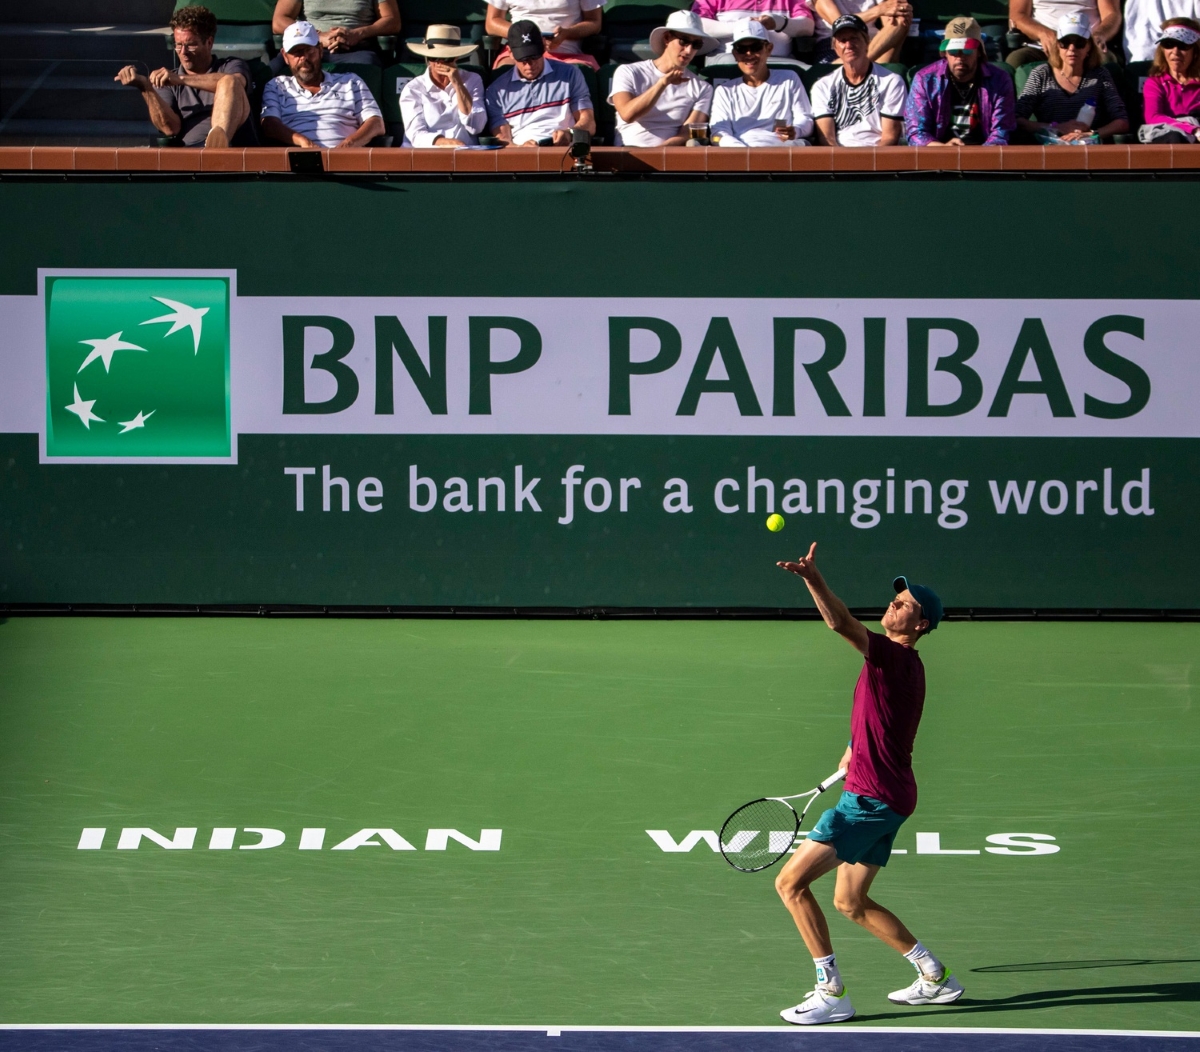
x=538 y=101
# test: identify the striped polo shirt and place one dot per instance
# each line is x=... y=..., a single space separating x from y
x=337 y=110
x=537 y=108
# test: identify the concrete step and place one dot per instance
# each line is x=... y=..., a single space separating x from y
x=86 y=12
x=77 y=133
x=69 y=97
x=141 y=42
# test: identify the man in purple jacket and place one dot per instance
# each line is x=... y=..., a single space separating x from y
x=961 y=100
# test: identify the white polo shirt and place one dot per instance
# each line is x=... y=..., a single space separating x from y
x=431 y=112
x=746 y=116
x=337 y=110
x=670 y=111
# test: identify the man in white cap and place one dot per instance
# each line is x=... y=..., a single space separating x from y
x=315 y=108
x=763 y=107
x=861 y=103
x=784 y=20
x=1038 y=20
x=444 y=106
x=657 y=99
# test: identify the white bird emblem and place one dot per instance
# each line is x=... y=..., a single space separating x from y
x=137 y=421
x=82 y=408
x=185 y=317
x=105 y=349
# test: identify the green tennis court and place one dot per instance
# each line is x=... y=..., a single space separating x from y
x=572 y=739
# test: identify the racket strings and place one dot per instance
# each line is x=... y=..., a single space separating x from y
x=759 y=833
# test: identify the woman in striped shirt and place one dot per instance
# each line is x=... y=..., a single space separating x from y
x=1055 y=103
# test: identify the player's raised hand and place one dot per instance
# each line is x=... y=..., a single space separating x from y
x=805 y=566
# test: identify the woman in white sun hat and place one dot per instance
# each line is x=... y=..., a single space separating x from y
x=444 y=106
x=657 y=99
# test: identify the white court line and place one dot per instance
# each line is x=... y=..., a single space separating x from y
x=557 y=1030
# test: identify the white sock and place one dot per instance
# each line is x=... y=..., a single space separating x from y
x=925 y=963
x=828 y=975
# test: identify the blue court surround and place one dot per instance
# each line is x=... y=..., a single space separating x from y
x=549 y=1039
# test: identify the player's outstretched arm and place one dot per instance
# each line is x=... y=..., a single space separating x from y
x=832 y=609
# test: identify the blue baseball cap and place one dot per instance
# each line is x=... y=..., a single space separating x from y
x=931 y=605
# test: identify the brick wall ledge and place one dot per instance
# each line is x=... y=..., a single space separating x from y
x=814 y=159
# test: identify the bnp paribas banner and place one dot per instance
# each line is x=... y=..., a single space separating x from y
x=193 y=445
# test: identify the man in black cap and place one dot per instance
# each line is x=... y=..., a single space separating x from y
x=538 y=101
x=856 y=836
x=861 y=103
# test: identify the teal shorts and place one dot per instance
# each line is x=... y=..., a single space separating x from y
x=860 y=828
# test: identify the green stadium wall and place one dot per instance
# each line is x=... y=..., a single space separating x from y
x=1091 y=422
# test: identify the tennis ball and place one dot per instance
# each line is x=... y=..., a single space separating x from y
x=775 y=523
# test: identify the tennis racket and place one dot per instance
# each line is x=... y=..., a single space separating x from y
x=760 y=833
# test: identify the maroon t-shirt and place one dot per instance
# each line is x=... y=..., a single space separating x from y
x=888 y=699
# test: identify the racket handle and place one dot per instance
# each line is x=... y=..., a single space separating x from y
x=833 y=779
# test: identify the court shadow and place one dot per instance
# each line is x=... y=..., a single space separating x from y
x=1070 y=966
x=1150 y=993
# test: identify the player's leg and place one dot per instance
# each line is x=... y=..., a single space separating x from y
x=828 y=1002
x=934 y=984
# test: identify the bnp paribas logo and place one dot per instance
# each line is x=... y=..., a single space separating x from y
x=137 y=368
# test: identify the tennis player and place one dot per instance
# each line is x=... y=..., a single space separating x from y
x=856 y=836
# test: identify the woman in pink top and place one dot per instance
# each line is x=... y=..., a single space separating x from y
x=1172 y=92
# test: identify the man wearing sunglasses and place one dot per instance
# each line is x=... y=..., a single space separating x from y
x=201 y=101
x=657 y=99
x=962 y=100
x=763 y=107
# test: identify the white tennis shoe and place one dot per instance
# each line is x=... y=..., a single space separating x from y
x=926 y=991
x=820 y=1006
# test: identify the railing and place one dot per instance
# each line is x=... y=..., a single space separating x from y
x=551 y=160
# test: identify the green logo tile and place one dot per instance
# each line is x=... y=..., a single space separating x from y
x=137 y=367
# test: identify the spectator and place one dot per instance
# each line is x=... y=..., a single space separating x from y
x=444 y=106
x=894 y=16
x=784 y=20
x=657 y=99
x=1172 y=95
x=348 y=29
x=861 y=104
x=538 y=102
x=1038 y=20
x=1062 y=92
x=962 y=100
x=564 y=23
x=315 y=108
x=201 y=101
x=1144 y=18
x=766 y=107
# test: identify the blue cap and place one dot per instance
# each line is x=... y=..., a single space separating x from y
x=931 y=605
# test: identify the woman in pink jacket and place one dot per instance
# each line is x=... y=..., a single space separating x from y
x=1172 y=92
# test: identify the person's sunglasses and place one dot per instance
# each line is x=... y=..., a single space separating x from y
x=443 y=61
x=189 y=48
x=755 y=48
x=1172 y=44
x=1075 y=43
x=689 y=42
